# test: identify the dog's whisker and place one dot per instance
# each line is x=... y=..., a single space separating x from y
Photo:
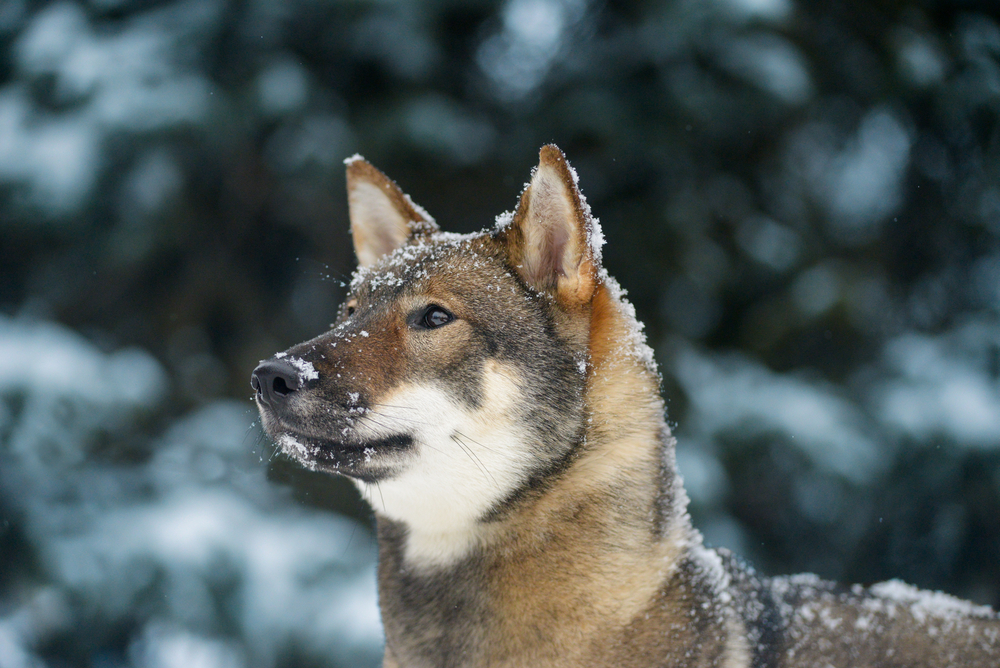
x=468 y=438
x=383 y=425
x=475 y=459
x=350 y=539
x=382 y=498
x=380 y=419
x=249 y=430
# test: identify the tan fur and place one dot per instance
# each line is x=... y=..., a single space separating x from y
x=578 y=542
x=517 y=459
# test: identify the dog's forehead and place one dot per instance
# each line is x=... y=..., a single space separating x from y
x=410 y=265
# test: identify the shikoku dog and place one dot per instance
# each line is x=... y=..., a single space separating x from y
x=493 y=398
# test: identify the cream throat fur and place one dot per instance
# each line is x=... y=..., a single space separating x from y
x=458 y=472
x=493 y=398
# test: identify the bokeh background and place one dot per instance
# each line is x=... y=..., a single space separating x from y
x=802 y=199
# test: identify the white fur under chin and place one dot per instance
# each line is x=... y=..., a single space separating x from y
x=463 y=463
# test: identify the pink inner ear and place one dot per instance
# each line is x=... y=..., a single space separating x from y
x=558 y=242
x=547 y=257
x=549 y=231
x=379 y=227
x=387 y=242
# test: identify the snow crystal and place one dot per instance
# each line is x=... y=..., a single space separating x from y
x=421 y=211
x=807 y=581
x=928 y=604
x=504 y=220
x=354 y=158
x=306 y=369
x=403 y=264
x=456 y=238
x=711 y=565
x=292 y=447
x=573 y=175
x=597 y=240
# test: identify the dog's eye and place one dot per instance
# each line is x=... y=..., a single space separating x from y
x=434 y=316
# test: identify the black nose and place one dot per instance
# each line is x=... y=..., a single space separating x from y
x=274 y=381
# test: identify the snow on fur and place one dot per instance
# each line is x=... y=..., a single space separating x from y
x=306 y=370
x=595 y=235
x=924 y=605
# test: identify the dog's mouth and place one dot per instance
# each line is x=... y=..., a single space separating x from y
x=365 y=460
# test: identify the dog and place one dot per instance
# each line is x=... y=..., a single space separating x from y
x=492 y=396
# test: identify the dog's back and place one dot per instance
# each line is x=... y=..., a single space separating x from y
x=493 y=398
x=805 y=621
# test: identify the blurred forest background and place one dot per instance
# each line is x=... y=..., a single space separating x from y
x=802 y=198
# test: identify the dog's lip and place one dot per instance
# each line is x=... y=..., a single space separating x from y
x=359 y=460
x=316 y=446
x=279 y=426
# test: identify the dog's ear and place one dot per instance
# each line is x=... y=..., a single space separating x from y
x=383 y=217
x=551 y=239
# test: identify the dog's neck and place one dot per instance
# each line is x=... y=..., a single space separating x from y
x=613 y=514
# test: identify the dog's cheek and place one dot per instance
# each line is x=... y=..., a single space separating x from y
x=456 y=361
x=435 y=352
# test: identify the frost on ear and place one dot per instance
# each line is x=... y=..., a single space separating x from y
x=553 y=240
x=383 y=217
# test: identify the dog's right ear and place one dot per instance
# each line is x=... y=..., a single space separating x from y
x=383 y=217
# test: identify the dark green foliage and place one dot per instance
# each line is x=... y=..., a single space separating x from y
x=802 y=199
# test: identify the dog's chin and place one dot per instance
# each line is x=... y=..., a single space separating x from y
x=369 y=460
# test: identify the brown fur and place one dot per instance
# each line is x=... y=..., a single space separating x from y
x=580 y=551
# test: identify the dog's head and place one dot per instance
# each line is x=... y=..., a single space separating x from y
x=453 y=380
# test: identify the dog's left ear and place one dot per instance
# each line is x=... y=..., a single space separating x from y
x=550 y=239
x=383 y=217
